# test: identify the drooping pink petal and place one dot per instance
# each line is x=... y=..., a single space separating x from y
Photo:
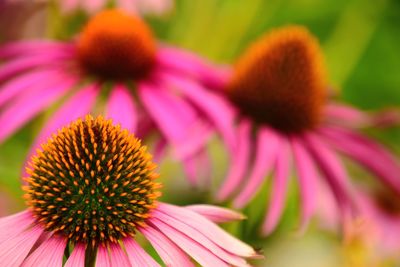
x=93 y=5
x=267 y=145
x=199 y=253
x=346 y=115
x=71 y=110
x=159 y=149
x=198 y=168
x=217 y=109
x=121 y=108
x=103 y=258
x=383 y=164
x=128 y=5
x=335 y=175
x=137 y=255
x=14 y=251
x=279 y=189
x=27 y=106
x=77 y=258
x=23 y=48
x=69 y=5
x=20 y=84
x=168 y=251
x=216 y=214
x=15 y=224
x=185 y=63
x=175 y=119
x=239 y=162
x=118 y=256
x=14 y=67
x=196 y=236
x=208 y=229
x=308 y=178
x=49 y=254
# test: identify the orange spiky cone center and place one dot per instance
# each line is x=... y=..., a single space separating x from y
x=117 y=46
x=280 y=80
x=92 y=182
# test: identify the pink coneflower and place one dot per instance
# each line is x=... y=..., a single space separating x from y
x=279 y=89
x=90 y=190
x=117 y=62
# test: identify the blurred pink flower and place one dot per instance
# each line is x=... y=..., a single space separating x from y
x=278 y=88
x=94 y=199
x=115 y=60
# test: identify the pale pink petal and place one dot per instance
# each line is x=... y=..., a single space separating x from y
x=239 y=162
x=198 y=167
x=279 y=189
x=216 y=214
x=92 y=6
x=14 y=251
x=69 y=5
x=268 y=143
x=137 y=255
x=159 y=149
x=128 y=5
x=13 y=225
x=217 y=109
x=335 y=175
x=27 y=106
x=121 y=108
x=103 y=258
x=49 y=254
x=171 y=255
x=199 y=253
x=383 y=164
x=208 y=229
x=186 y=63
x=118 y=256
x=71 y=110
x=77 y=258
x=308 y=178
x=23 y=83
x=175 y=120
x=196 y=236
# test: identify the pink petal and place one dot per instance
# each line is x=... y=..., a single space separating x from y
x=29 y=105
x=71 y=110
x=168 y=251
x=118 y=256
x=49 y=254
x=22 y=83
x=346 y=115
x=198 y=168
x=128 y=5
x=239 y=162
x=203 y=256
x=216 y=108
x=121 y=108
x=175 y=119
x=185 y=63
x=216 y=214
x=335 y=175
x=14 y=251
x=268 y=145
x=14 y=67
x=15 y=224
x=384 y=165
x=208 y=229
x=103 y=258
x=23 y=48
x=137 y=255
x=77 y=258
x=92 y=6
x=308 y=179
x=279 y=189
x=70 y=5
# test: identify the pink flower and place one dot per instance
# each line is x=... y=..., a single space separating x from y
x=91 y=189
x=285 y=120
x=114 y=66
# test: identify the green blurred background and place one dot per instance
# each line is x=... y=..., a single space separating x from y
x=361 y=42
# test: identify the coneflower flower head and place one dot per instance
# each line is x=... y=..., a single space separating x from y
x=280 y=80
x=90 y=189
x=279 y=90
x=92 y=183
x=115 y=58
